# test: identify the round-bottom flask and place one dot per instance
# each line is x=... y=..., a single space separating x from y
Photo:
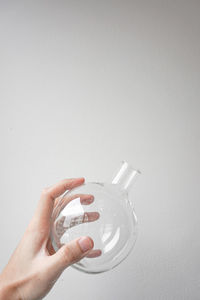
x=102 y=211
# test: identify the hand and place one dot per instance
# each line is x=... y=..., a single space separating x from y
x=34 y=267
x=77 y=216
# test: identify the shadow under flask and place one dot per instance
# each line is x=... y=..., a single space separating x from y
x=102 y=211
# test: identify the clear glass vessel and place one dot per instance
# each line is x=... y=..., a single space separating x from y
x=102 y=211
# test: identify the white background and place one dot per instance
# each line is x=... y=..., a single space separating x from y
x=83 y=85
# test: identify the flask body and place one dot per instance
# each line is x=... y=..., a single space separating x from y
x=102 y=211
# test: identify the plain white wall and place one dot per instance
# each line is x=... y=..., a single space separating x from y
x=83 y=85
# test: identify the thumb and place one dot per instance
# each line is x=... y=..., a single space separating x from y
x=71 y=253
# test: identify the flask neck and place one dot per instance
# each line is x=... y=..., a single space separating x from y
x=126 y=176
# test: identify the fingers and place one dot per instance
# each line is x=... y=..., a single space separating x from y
x=66 y=184
x=60 y=227
x=84 y=198
x=46 y=203
x=61 y=202
x=71 y=253
x=94 y=253
x=86 y=217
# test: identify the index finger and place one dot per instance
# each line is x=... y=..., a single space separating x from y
x=46 y=203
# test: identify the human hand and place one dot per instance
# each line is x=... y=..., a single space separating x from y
x=62 y=222
x=34 y=266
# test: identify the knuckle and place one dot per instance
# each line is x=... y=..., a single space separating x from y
x=70 y=256
x=45 y=192
x=67 y=183
x=37 y=231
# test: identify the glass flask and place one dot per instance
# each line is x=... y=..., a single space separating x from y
x=102 y=211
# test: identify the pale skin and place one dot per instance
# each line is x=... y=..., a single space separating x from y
x=34 y=266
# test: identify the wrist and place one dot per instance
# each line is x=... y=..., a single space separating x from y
x=8 y=291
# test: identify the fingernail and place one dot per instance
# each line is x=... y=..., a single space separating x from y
x=85 y=244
